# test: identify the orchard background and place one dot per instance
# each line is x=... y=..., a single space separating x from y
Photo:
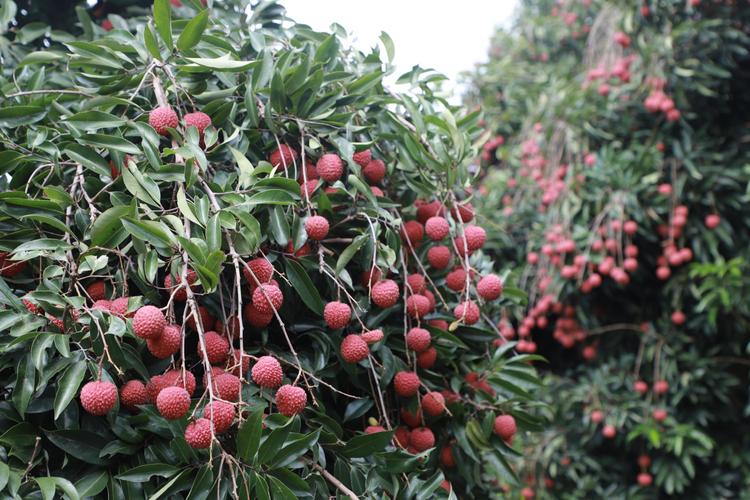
x=235 y=263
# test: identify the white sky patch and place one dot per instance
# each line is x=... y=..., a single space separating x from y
x=447 y=36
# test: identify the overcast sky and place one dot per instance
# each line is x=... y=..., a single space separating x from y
x=448 y=36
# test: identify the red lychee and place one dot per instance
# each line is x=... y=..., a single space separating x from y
x=406 y=384
x=712 y=221
x=416 y=283
x=418 y=339
x=456 y=280
x=154 y=387
x=180 y=295
x=421 y=439
x=597 y=416
x=9 y=268
x=446 y=457
x=354 y=349
x=290 y=400
x=337 y=315
x=148 y=322
x=283 y=157
x=436 y=228
x=439 y=256
x=173 y=402
x=640 y=387
x=372 y=336
x=475 y=238
x=362 y=158
x=217 y=347
x=330 y=167
x=660 y=415
x=97 y=290
x=198 y=120
x=385 y=293
x=426 y=359
x=316 y=227
x=401 y=437
x=661 y=387
x=175 y=378
x=374 y=429
x=221 y=413
x=644 y=479
x=609 y=431
x=467 y=311
x=464 y=212
x=256 y=318
x=163 y=118
x=374 y=171
x=417 y=306
x=490 y=287
x=267 y=298
x=412 y=233
x=132 y=394
x=98 y=397
x=412 y=419
x=505 y=427
x=119 y=306
x=227 y=386
x=433 y=403
x=198 y=433
x=167 y=343
x=261 y=268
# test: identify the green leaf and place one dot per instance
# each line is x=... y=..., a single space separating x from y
x=279 y=225
x=88 y=158
x=295 y=449
x=273 y=444
x=67 y=387
x=149 y=39
x=191 y=35
x=280 y=490
x=16 y=116
x=223 y=63
x=156 y=233
x=107 y=231
x=83 y=445
x=184 y=207
x=142 y=187
x=110 y=142
x=94 y=120
x=25 y=384
x=145 y=472
x=304 y=286
x=367 y=444
x=350 y=251
x=46 y=487
x=163 y=20
x=248 y=437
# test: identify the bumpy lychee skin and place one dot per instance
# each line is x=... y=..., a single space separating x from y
x=427 y=358
x=256 y=318
x=426 y=210
x=35 y=309
x=173 y=402
x=261 y=268
x=446 y=457
x=98 y=397
x=163 y=118
x=439 y=256
x=119 y=306
x=148 y=322
x=468 y=312
x=267 y=372
x=199 y=120
x=374 y=429
x=104 y=305
x=283 y=157
x=180 y=295
x=456 y=280
x=222 y=414
x=490 y=287
x=412 y=233
x=372 y=336
x=330 y=167
x=401 y=437
x=9 y=268
x=385 y=293
x=97 y=290
x=417 y=306
x=406 y=384
x=154 y=387
x=505 y=427
x=132 y=394
x=206 y=319
x=362 y=158
x=177 y=379
x=354 y=349
x=374 y=171
x=217 y=347
x=316 y=227
x=416 y=283
x=167 y=343
x=337 y=315
x=227 y=386
x=436 y=228
x=290 y=400
x=418 y=339
x=411 y=418
x=464 y=212
x=198 y=434
x=267 y=298
x=422 y=439
x=433 y=404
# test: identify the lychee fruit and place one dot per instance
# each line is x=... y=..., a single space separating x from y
x=370 y=277
x=644 y=461
x=206 y=319
x=132 y=394
x=154 y=387
x=372 y=336
x=609 y=431
x=439 y=256
x=316 y=227
x=217 y=347
x=330 y=167
x=198 y=433
x=436 y=228
x=464 y=212
x=660 y=415
x=173 y=402
x=421 y=439
x=354 y=349
x=9 y=268
x=412 y=419
x=385 y=293
x=283 y=157
x=412 y=233
x=98 y=397
x=505 y=427
x=418 y=339
x=374 y=429
x=426 y=210
x=256 y=318
x=678 y=318
x=640 y=387
x=467 y=311
x=175 y=378
x=433 y=403
x=644 y=479
x=228 y=386
x=261 y=268
x=198 y=119
x=712 y=221
x=456 y=280
x=231 y=329
x=362 y=158
x=167 y=343
x=290 y=400
x=119 y=306
x=267 y=298
x=97 y=290
x=406 y=384
x=337 y=315
x=235 y=363
x=597 y=416
x=221 y=413
x=148 y=322
x=416 y=283
x=427 y=358
x=401 y=437
x=163 y=118
x=417 y=306
x=490 y=287
x=180 y=295
x=661 y=387
x=374 y=171
x=475 y=237
x=446 y=457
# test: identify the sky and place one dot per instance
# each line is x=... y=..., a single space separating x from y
x=446 y=35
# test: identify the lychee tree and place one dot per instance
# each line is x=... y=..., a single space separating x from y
x=215 y=279
x=618 y=159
